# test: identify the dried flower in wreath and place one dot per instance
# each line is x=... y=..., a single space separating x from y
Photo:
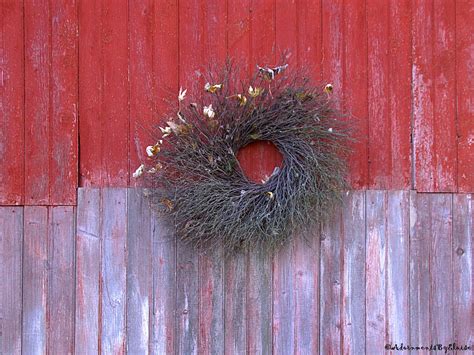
x=197 y=177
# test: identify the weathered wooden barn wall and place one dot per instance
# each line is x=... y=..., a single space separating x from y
x=391 y=267
x=89 y=269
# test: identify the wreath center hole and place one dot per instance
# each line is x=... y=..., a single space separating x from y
x=259 y=159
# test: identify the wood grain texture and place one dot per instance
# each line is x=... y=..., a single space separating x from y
x=61 y=279
x=139 y=273
x=88 y=271
x=12 y=119
x=464 y=93
x=38 y=90
x=164 y=288
x=309 y=37
x=103 y=93
x=353 y=272
x=35 y=281
x=463 y=280
x=113 y=270
x=433 y=75
x=11 y=253
x=389 y=94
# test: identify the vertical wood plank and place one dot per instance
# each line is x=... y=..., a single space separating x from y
x=12 y=118
x=235 y=306
x=330 y=303
x=464 y=93
x=35 y=281
x=88 y=266
x=463 y=280
x=354 y=276
x=389 y=93
x=113 y=270
x=11 y=252
x=139 y=273
x=259 y=303
x=397 y=267
x=103 y=93
x=38 y=90
x=142 y=80
x=164 y=289
x=286 y=32
x=355 y=86
x=375 y=265
x=433 y=77
x=262 y=34
x=307 y=291
x=63 y=153
x=441 y=268
x=309 y=37
x=420 y=260
x=61 y=285
x=238 y=35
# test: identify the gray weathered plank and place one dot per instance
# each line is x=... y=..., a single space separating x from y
x=441 y=268
x=353 y=298
x=139 y=273
x=306 y=254
x=164 y=288
x=235 y=328
x=376 y=244
x=61 y=285
x=35 y=280
x=397 y=286
x=113 y=270
x=88 y=254
x=463 y=279
x=283 y=301
x=211 y=305
x=259 y=303
x=330 y=335
x=11 y=249
x=187 y=299
x=420 y=238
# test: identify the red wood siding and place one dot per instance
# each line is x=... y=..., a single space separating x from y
x=391 y=267
x=101 y=71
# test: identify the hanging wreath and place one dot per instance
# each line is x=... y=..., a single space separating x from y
x=199 y=181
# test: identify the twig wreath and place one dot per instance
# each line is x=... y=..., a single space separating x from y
x=199 y=181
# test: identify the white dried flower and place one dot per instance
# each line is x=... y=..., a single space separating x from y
x=209 y=111
x=181 y=94
x=139 y=171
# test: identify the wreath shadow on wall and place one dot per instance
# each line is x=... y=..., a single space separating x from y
x=198 y=182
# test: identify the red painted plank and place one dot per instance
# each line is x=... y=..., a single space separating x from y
x=389 y=93
x=235 y=326
x=64 y=101
x=465 y=93
x=142 y=80
x=38 y=90
x=238 y=35
x=12 y=123
x=463 y=280
x=164 y=289
x=375 y=265
x=88 y=266
x=35 y=281
x=103 y=93
x=434 y=96
x=397 y=267
x=113 y=270
x=286 y=32
x=330 y=335
x=353 y=274
x=61 y=285
x=11 y=250
x=139 y=273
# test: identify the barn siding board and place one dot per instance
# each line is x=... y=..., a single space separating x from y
x=463 y=280
x=12 y=122
x=11 y=272
x=88 y=261
x=433 y=75
x=465 y=93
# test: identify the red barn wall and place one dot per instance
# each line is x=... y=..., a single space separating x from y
x=85 y=265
